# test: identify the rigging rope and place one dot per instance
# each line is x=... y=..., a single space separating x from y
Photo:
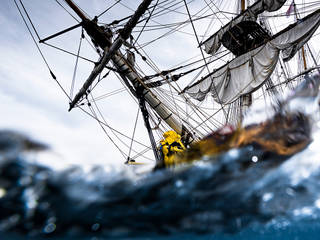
x=108 y=8
x=34 y=29
x=95 y=115
x=203 y=54
x=147 y=20
x=134 y=131
x=173 y=30
x=67 y=11
x=76 y=65
x=68 y=52
x=112 y=130
x=44 y=59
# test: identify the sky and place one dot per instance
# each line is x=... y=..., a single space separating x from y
x=32 y=103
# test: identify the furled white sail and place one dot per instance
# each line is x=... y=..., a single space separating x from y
x=249 y=71
x=212 y=44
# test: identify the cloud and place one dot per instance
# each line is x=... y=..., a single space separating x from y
x=31 y=101
x=81 y=144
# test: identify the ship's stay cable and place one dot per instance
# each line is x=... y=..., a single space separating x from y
x=108 y=8
x=118 y=132
x=134 y=131
x=161 y=26
x=215 y=12
x=44 y=59
x=165 y=72
x=111 y=128
x=146 y=22
x=173 y=10
x=163 y=10
x=68 y=52
x=207 y=119
x=76 y=65
x=172 y=30
x=312 y=55
x=106 y=95
x=142 y=56
x=104 y=130
x=104 y=120
x=75 y=55
x=195 y=108
x=95 y=115
x=142 y=152
x=202 y=53
x=34 y=29
x=67 y=11
x=149 y=58
x=127 y=17
x=169 y=101
x=169 y=9
x=206 y=33
x=171 y=6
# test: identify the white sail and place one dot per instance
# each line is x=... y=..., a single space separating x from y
x=249 y=71
x=212 y=44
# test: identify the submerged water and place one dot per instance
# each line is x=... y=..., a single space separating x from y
x=244 y=193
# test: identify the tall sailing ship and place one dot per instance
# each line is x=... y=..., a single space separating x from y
x=189 y=66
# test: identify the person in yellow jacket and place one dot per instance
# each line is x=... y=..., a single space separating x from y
x=170 y=146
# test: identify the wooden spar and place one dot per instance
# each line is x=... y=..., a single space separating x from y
x=150 y=98
x=243 y=5
x=95 y=32
x=109 y=51
x=60 y=33
x=304 y=58
x=107 y=55
x=76 y=10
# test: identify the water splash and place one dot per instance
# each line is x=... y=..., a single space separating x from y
x=242 y=193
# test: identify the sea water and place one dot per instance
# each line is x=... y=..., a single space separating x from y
x=244 y=193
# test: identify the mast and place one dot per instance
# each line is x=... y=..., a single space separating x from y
x=243 y=5
x=247 y=72
x=302 y=48
x=245 y=100
x=111 y=52
x=214 y=42
x=105 y=42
